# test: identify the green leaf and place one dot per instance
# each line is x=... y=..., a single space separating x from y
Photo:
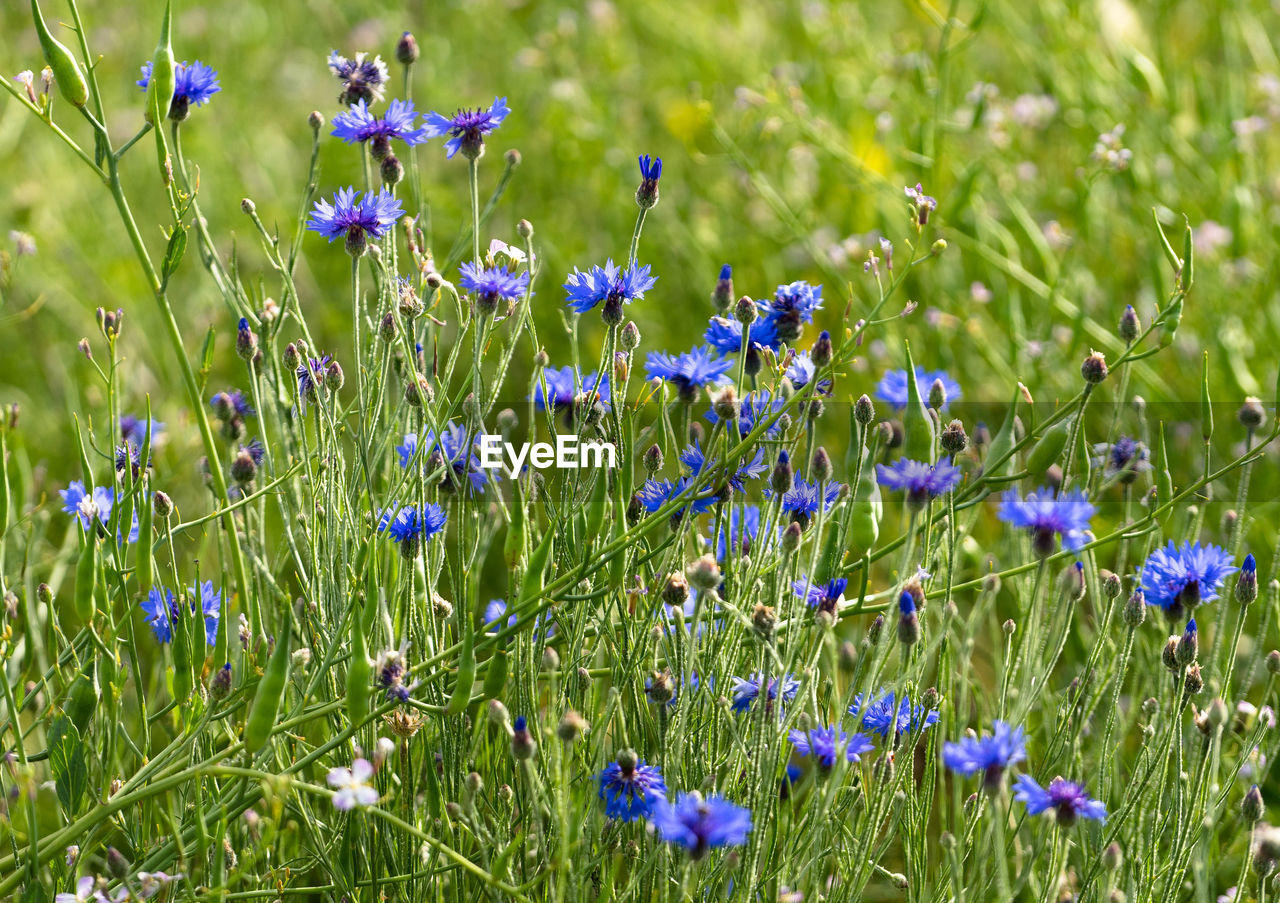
x=66 y=761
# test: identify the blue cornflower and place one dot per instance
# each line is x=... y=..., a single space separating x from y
x=1178 y=577
x=363 y=79
x=630 y=789
x=310 y=375
x=456 y=447
x=740 y=532
x=656 y=493
x=95 y=503
x=231 y=405
x=801 y=371
x=194 y=83
x=989 y=754
x=803 y=499
x=358 y=124
x=562 y=387
x=390 y=670
x=747 y=689
x=826 y=743
x=493 y=286
x=650 y=168
x=1123 y=459
x=650 y=173
x=688 y=371
x=798 y=297
x=725 y=334
x=610 y=284
x=1045 y=514
x=129 y=454
x=495 y=611
x=696 y=460
x=921 y=481
x=892 y=387
x=409 y=527
x=699 y=824
x=162 y=609
x=408 y=449
x=755 y=407
x=879 y=715
x=1066 y=798
x=823 y=596
x=134 y=429
x=357 y=217
x=467 y=128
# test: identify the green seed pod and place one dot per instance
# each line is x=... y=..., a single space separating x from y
x=513 y=544
x=495 y=677
x=66 y=71
x=82 y=698
x=164 y=77
x=866 y=508
x=599 y=504
x=1002 y=444
x=144 y=566
x=1047 y=451
x=918 y=441
x=359 y=675
x=533 y=574
x=4 y=485
x=266 y=701
x=466 y=670
x=1169 y=323
x=86 y=577
x=181 y=648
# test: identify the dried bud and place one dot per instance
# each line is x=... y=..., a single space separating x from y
x=725 y=404
x=572 y=726
x=1251 y=413
x=1094 y=368
x=704 y=574
x=676 y=590
x=953 y=438
x=764 y=620
x=1193 y=682
x=659 y=688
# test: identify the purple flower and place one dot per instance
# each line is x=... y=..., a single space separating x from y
x=467 y=128
x=801 y=372
x=630 y=789
x=755 y=407
x=747 y=689
x=799 y=298
x=363 y=79
x=194 y=83
x=1066 y=798
x=740 y=532
x=824 y=596
x=310 y=375
x=1045 y=514
x=696 y=460
x=879 y=715
x=231 y=405
x=688 y=371
x=700 y=825
x=920 y=480
x=610 y=284
x=826 y=743
x=892 y=387
x=134 y=429
x=358 y=218
x=921 y=202
x=495 y=611
x=803 y=499
x=93 y=504
x=352 y=785
x=650 y=168
x=456 y=448
x=563 y=387
x=656 y=493
x=406 y=524
x=1123 y=459
x=162 y=610
x=494 y=285
x=990 y=754
x=725 y=334
x=358 y=124
x=1178 y=577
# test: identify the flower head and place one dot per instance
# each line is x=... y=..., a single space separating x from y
x=921 y=481
x=162 y=610
x=352 y=785
x=610 y=283
x=757 y=406
x=725 y=334
x=231 y=405
x=1046 y=514
x=741 y=532
x=134 y=429
x=630 y=788
x=803 y=499
x=407 y=525
x=194 y=83
x=892 y=387
x=357 y=125
x=1178 y=577
x=363 y=79
x=93 y=504
x=1066 y=798
x=456 y=448
x=562 y=387
x=467 y=128
x=493 y=286
x=747 y=689
x=823 y=596
x=700 y=825
x=310 y=375
x=696 y=460
x=656 y=493
x=799 y=297
x=879 y=716
x=688 y=371
x=358 y=218
x=826 y=743
x=800 y=373
x=1123 y=459
x=990 y=754
x=650 y=173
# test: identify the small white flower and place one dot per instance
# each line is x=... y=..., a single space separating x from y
x=352 y=785
x=86 y=889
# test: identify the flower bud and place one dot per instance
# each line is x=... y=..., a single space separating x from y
x=765 y=620
x=953 y=438
x=822 y=471
x=1135 y=609
x=937 y=395
x=659 y=688
x=315 y=119
x=1247 y=583
x=908 y=620
x=333 y=377
x=1112 y=857
x=704 y=574
x=1251 y=413
x=220 y=683
x=745 y=311
x=1094 y=368
x=629 y=338
x=497 y=713
x=822 y=350
x=291 y=357
x=1252 y=806
x=1193 y=682
x=1129 y=326
x=722 y=296
x=572 y=726
x=163 y=504
x=782 y=477
x=523 y=746
x=550 y=660
x=676 y=590
x=407 y=49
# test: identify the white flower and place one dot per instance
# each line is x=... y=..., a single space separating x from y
x=352 y=785
x=85 y=891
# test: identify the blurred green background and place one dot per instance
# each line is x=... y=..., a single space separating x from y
x=787 y=131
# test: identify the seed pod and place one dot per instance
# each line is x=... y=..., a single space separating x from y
x=66 y=71
x=532 y=585
x=918 y=427
x=86 y=576
x=266 y=701
x=466 y=670
x=82 y=698
x=359 y=674
x=1049 y=448
x=164 y=74
x=495 y=676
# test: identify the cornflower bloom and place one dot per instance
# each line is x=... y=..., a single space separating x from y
x=611 y=284
x=990 y=754
x=194 y=83
x=1045 y=514
x=1067 y=799
x=1176 y=578
x=630 y=788
x=825 y=744
x=920 y=480
x=358 y=125
x=699 y=825
x=359 y=217
x=466 y=128
x=892 y=387
x=363 y=79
